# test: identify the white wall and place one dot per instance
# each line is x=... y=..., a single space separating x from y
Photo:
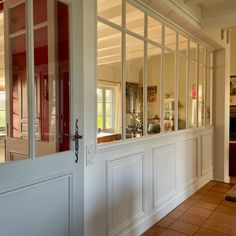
x=132 y=185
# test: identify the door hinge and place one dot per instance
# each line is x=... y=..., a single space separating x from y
x=76 y=138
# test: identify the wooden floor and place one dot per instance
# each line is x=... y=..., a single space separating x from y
x=205 y=213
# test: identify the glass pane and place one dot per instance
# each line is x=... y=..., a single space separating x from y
x=110 y=10
x=17 y=18
x=182 y=93
x=192 y=94
x=183 y=45
x=109 y=109
x=108 y=95
x=134 y=87
x=170 y=38
x=154 y=30
x=99 y=95
x=202 y=56
x=17 y=118
x=209 y=58
x=153 y=89
x=52 y=79
x=193 y=50
x=100 y=109
x=169 y=90
x=109 y=122
x=109 y=78
x=40 y=11
x=201 y=95
x=100 y=122
x=208 y=96
x=134 y=19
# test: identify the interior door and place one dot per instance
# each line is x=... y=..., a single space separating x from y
x=41 y=63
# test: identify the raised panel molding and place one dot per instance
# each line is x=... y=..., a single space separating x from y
x=189 y=161
x=164 y=174
x=206 y=154
x=42 y=208
x=125 y=194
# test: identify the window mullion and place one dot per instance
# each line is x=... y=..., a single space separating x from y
x=30 y=79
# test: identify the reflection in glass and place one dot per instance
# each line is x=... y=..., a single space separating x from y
x=109 y=88
x=134 y=19
x=154 y=30
x=153 y=89
x=52 y=79
x=170 y=38
x=110 y=10
x=201 y=95
x=192 y=95
x=17 y=18
x=169 y=91
x=134 y=87
x=182 y=92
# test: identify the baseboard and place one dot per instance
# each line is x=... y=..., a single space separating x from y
x=158 y=213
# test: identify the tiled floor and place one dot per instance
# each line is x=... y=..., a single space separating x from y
x=205 y=213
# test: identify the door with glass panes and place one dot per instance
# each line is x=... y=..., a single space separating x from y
x=37 y=118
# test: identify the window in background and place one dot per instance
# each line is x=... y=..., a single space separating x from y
x=106 y=108
x=153 y=89
x=109 y=82
x=110 y=10
x=192 y=94
x=183 y=45
x=193 y=50
x=169 y=90
x=182 y=79
x=134 y=86
x=208 y=96
x=134 y=19
x=170 y=38
x=154 y=30
x=201 y=95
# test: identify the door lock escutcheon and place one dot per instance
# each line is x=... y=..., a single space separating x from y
x=76 y=138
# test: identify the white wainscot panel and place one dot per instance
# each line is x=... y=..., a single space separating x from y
x=206 y=153
x=164 y=174
x=125 y=191
x=40 y=209
x=189 y=162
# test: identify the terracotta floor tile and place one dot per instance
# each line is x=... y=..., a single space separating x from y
x=221 y=188
x=223 y=218
x=169 y=232
x=155 y=230
x=207 y=232
x=190 y=201
x=205 y=213
x=206 y=205
x=226 y=210
x=199 y=211
x=165 y=222
x=233 y=231
x=183 y=207
x=183 y=227
x=215 y=194
x=217 y=226
x=192 y=219
x=211 y=199
x=175 y=214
